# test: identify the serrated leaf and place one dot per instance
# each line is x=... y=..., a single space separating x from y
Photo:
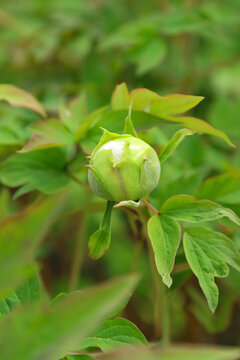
x=120 y=97
x=114 y=334
x=164 y=234
x=42 y=170
x=99 y=242
x=18 y=97
x=41 y=332
x=48 y=133
x=176 y=140
x=20 y=235
x=188 y=208
x=224 y=187
x=209 y=253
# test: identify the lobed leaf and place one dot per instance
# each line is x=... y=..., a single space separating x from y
x=209 y=253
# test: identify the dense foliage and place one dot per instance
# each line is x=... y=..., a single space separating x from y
x=76 y=75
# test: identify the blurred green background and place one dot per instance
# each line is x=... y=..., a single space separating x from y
x=57 y=50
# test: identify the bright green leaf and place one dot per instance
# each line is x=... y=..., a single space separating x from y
x=120 y=97
x=174 y=104
x=176 y=140
x=209 y=253
x=164 y=234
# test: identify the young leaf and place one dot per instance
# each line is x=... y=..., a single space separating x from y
x=48 y=133
x=99 y=242
x=175 y=104
x=43 y=170
x=40 y=332
x=189 y=209
x=176 y=140
x=17 y=97
x=164 y=233
x=209 y=253
x=74 y=114
x=224 y=187
x=141 y=97
x=120 y=98
x=114 y=334
x=128 y=127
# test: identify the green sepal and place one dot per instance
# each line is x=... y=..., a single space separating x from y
x=128 y=127
x=99 y=242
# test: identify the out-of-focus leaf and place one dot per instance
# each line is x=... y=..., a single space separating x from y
x=49 y=333
x=164 y=234
x=114 y=334
x=174 y=352
x=20 y=235
x=176 y=140
x=189 y=209
x=74 y=114
x=149 y=55
x=140 y=98
x=41 y=170
x=17 y=97
x=209 y=253
x=48 y=133
x=8 y=136
x=224 y=187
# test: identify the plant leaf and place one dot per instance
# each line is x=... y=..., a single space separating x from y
x=17 y=97
x=174 y=104
x=42 y=170
x=164 y=234
x=41 y=332
x=48 y=133
x=189 y=209
x=74 y=113
x=209 y=253
x=128 y=127
x=99 y=242
x=176 y=140
x=224 y=187
x=140 y=98
x=114 y=334
x=120 y=97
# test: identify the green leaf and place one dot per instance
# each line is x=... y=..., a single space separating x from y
x=224 y=187
x=209 y=253
x=128 y=127
x=20 y=235
x=42 y=170
x=120 y=97
x=17 y=97
x=8 y=136
x=188 y=208
x=99 y=242
x=48 y=133
x=176 y=140
x=174 y=104
x=164 y=234
x=140 y=98
x=74 y=114
x=114 y=334
x=149 y=55
x=39 y=332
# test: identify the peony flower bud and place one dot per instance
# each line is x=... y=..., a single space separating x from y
x=123 y=167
